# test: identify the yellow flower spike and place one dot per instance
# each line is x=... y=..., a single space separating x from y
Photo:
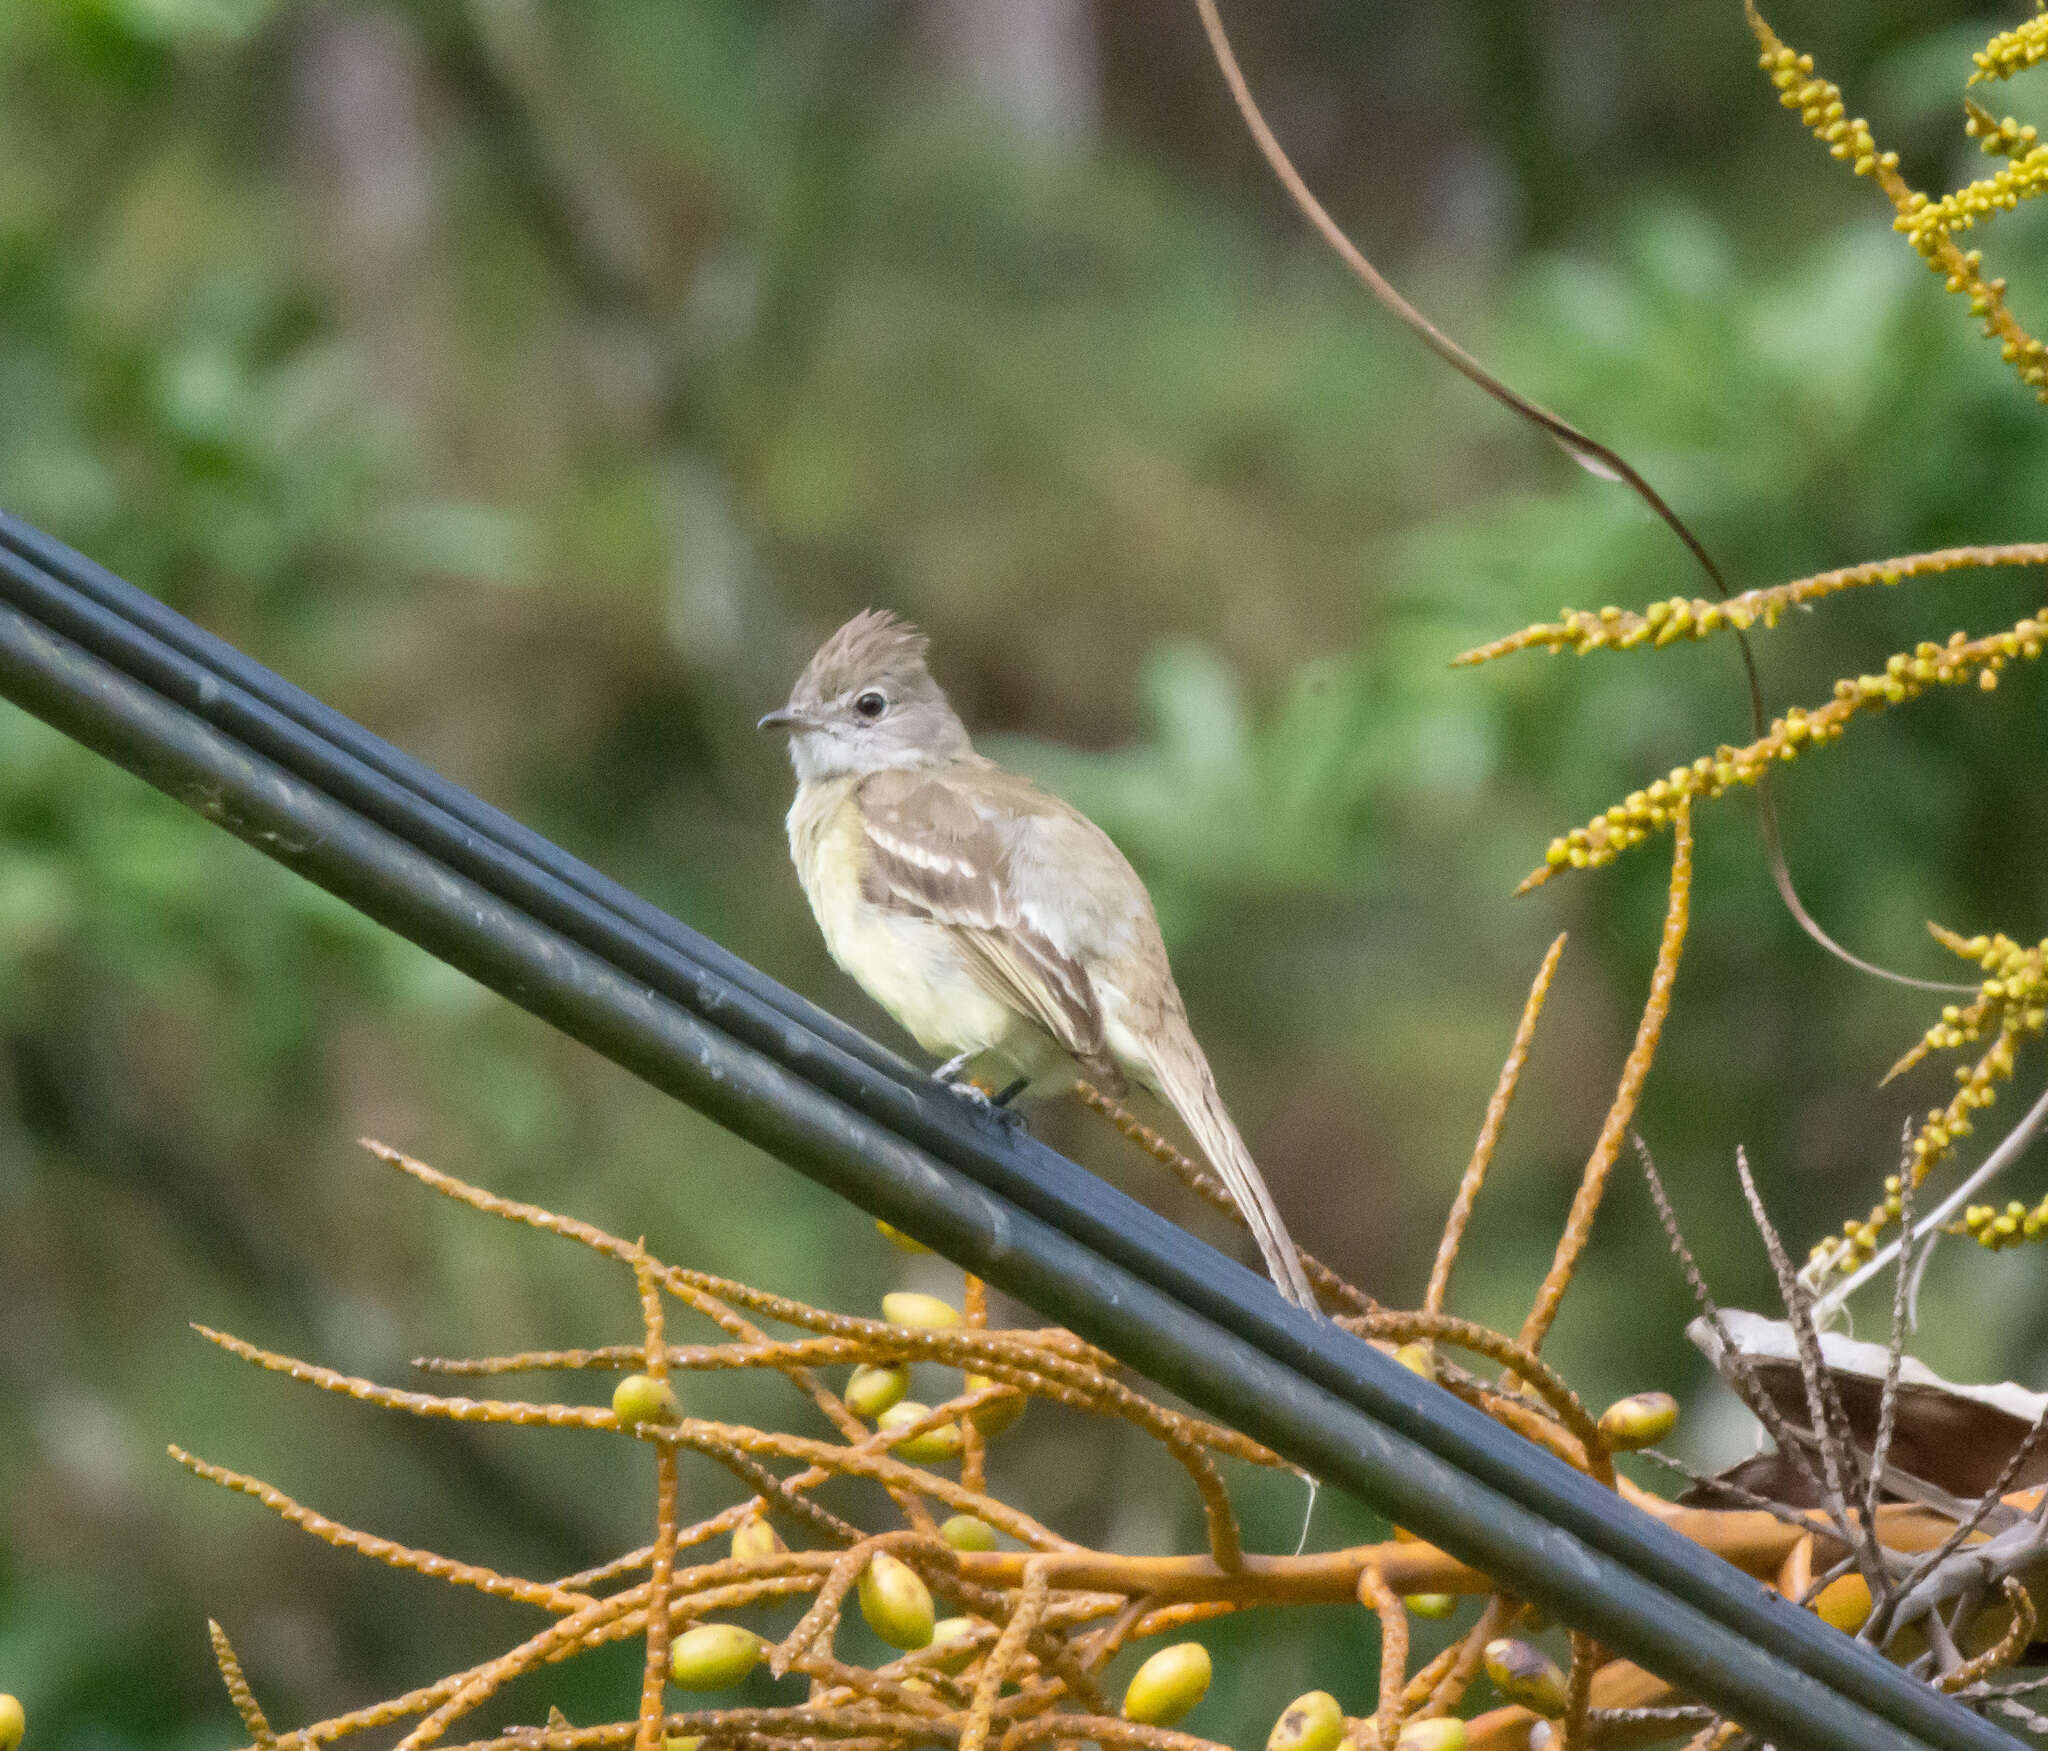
x=1312 y=1722
x=640 y=1399
x=966 y=1532
x=1929 y=225
x=13 y=1722
x=1709 y=776
x=1527 y=1675
x=920 y=1312
x=874 y=1387
x=895 y=1602
x=943 y=1442
x=755 y=1541
x=2004 y=1008
x=1641 y=1420
x=1168 y=1685
x=713 y=1656
x=681 y=1741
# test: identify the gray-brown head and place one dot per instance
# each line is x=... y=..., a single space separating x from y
x=866 y=701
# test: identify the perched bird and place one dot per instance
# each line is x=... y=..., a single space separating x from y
x=993 y=921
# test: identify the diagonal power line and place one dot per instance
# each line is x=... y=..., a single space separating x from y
x=141 y=685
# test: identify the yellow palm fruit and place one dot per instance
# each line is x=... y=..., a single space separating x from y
x=966 y=1532
x=1845 y=1603
x=1439 y=1733
x=1168 y=1685
x=897 y=1238
x=754 y=1539
x=921 y=1312
x=999 y=1413
x=954 y=1635
x=934 y=1444
x=681 y=1741
x=713 y=1656
x=1526 y=1675
x=13 y=1722
x=1417 y=1359
x=1639 y=1421
x=1309 y=1723
x=1430 y=1604
x=873 y=1388
x=896 y=1602
x=642 y=1398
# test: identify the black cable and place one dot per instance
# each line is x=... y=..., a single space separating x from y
x=127 y=677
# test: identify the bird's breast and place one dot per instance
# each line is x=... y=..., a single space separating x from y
x=910 y=965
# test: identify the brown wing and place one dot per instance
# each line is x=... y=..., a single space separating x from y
x=932 y=853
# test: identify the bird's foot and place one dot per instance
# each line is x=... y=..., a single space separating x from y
x=953 y=1073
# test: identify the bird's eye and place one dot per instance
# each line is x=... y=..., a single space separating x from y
x=871 y=705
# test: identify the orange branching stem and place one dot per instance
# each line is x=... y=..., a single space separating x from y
x=1026 y=1360
x=549 y=1598
x=1104 y=1730
x=653 y=1677
x=974 y=1451
x=815 y=1628
x=1419 y=1689
x=1571 y=1729
x=1593 y=1185
x=1470 y=1654
x=1662 y=623
x=1333 y=1290
x=659 y=1585
x=1518 y=1358
x=2005 y=1651
x=1044 y=1619
x=1373 y=1591
x=1489 y=1133
x=1003 y=1656
x=729 y=1444
x=1613 y=1684
x=237 y=1682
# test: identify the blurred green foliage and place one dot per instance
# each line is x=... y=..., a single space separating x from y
x=537 y=383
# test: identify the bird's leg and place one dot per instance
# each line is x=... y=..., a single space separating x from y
x=953 y=1073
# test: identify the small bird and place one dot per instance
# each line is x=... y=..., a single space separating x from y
x=991 y=920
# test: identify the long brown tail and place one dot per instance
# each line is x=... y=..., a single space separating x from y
x=1180 y=1075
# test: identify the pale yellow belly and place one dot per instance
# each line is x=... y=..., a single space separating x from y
x=908 y=965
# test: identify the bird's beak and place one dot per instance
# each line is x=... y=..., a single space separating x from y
x=785 y=718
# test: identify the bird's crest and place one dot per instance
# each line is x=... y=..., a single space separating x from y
x=873 y=646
